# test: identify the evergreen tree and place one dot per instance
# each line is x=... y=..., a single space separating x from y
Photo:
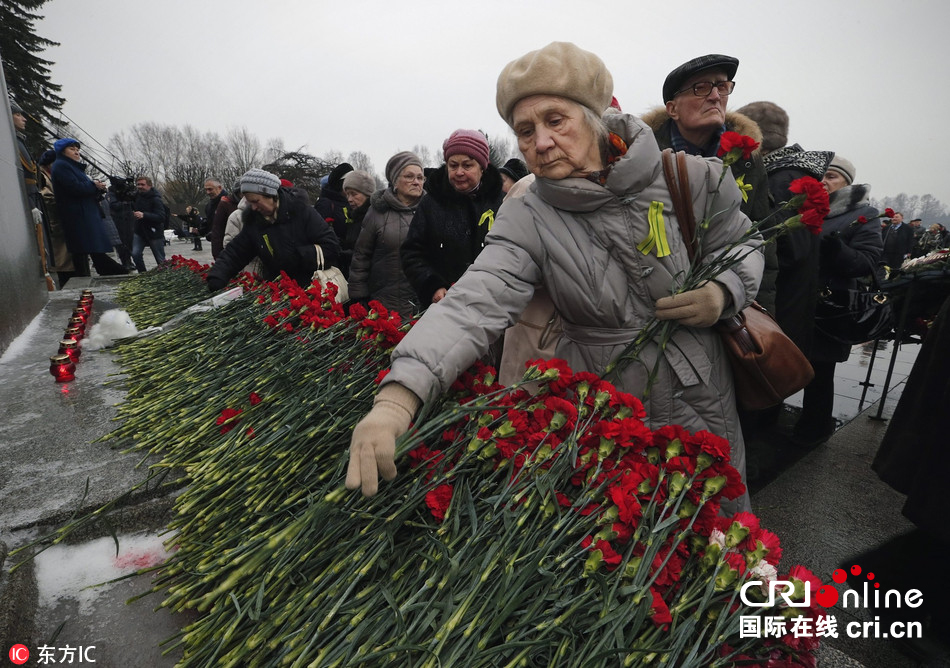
x=27 y=74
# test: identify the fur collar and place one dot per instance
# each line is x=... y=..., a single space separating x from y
x=848 y=199
x=657 y=118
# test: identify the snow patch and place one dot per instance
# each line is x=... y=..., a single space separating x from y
x=23 y=342
x=79 y=572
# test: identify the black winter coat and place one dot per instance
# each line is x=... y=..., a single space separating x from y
x=348 y=233
x=152 y=223
x=332 y=205
x=448 y=231
x=914 y=449
x=216 y=213
x=796 y=285
x=846 y=253
x=287 y=244
x=77 y=202
x=898 y=242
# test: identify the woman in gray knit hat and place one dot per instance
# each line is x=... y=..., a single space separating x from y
x=281 y=230
x=579 y=230
x=376 y=271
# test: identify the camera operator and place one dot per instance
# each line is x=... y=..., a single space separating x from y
x=148 y=209
x=120 y=195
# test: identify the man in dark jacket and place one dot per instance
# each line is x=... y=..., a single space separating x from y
x=696 y=94
x=220 y=205
x=898 y=241
x=282 y=230
x=148 y=210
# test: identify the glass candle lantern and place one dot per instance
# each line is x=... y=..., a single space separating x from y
x=73 y=333
x=78 y=323
x=70 y=347
x=62 y=368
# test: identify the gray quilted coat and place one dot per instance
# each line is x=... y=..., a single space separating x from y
x=579 y=239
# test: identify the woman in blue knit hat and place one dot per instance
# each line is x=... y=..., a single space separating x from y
x=77 y=203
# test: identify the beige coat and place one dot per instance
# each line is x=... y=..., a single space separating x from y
x=579 y=239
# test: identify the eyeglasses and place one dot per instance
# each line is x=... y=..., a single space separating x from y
x=411 y=177
x=704 y=88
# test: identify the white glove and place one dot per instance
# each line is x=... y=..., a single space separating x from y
x=695 y=308
x=373 y=445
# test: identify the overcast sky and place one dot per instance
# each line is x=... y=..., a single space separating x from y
x=865 y=78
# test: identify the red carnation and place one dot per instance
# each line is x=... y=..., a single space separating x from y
x=612 y=558
x=815 y=207
x=659 y=610
x=254 y=398
x=228 y=419
x=888 y=212
x=438 y=500
x=733 y=141
x=862 y=220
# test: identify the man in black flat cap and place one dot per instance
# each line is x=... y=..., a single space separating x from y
x=694 y=119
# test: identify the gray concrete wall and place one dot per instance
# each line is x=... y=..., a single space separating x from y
x=22 y=285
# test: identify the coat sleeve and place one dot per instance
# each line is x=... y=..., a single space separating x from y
x=414 y=254
x=861 y=250
x=362 y=260
x=727 y=226
x=68 y=181
x=485 y=301
x=233 y=258
x=233 y=226
x=152 y=210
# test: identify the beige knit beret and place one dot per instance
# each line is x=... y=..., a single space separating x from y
x=560 y=68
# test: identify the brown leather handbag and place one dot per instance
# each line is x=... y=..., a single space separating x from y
x=767 y=366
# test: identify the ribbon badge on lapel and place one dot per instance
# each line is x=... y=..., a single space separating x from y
x=744 y=188
x=656 y=237
x=487 y=218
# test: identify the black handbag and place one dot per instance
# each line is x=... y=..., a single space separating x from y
x=854 y=315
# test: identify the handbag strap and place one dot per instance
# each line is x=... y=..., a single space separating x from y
x=319 y=251
x=677 y=182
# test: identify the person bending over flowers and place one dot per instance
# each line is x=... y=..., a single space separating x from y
x=576 y=231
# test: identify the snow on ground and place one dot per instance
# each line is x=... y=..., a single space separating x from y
x=81 y=571
x=23 y=342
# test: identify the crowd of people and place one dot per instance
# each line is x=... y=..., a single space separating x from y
x=440 y=240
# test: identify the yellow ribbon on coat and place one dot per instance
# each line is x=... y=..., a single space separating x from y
x=489 y=217
x=656 y=237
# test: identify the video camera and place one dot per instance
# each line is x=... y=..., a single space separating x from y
x=123 y=187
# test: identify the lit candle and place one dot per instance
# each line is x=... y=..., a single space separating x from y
x=70 y=347
x=80 y=312
x=62 y=368
x=79 y=324
x=73 y=333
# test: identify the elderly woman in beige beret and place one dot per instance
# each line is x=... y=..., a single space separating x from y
x=576 y=231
